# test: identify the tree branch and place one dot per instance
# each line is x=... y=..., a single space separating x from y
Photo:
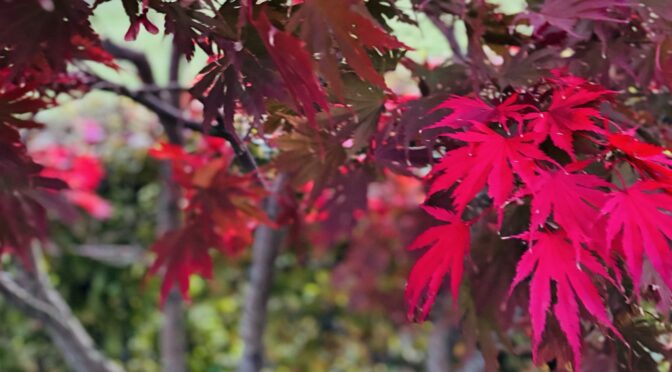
x=37 y=299
x=111 y=254
x=138 y=59
x=162 y=108
x=449 y=33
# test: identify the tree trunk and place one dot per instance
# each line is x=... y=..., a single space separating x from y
x=173 y=330
x=438 y=351
x=267 y=243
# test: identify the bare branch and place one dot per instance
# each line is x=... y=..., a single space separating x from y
x=448 y=31
x=162 y=108
x=138 y=59
x=27 y=303
x=37 y=299
x=111 y=254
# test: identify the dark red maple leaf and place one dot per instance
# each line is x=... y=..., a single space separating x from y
x=238 y=80
x=136 y=22
x=572 y=109
x=343 y=202
x=639 y=217
x=448 y=246
x=17 y=101
x=565 y=14
x=488 y=158
x=349 y=26
x=310 y=154
x=23 y=216
x=573 y=199
x=552 y=259
x=294 y=65
x=48 y=38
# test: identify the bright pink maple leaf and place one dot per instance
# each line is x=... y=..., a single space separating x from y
x=572 y=109
x=467 y=110
x=448 y=245
x=573 y=199
x=488 y=158
x=552 y=259
x=649 y=159
x=639 y=215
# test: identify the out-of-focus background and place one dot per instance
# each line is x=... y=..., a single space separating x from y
x=331 y=308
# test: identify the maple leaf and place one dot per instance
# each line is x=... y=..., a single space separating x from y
x=359 y=118
x=136 y=22
x=448 y=246
x=573 y=199
x=565 y=14
x=571 y=110
x=343 y=202
x=309 y=154
x=639 y=215
x=23 y=216
x=488 y=158
x=650 y=159
x=191 y=24
x=221 y=213
x=350 y=27
x=237 y=78
x=467 y=110
x=294 y=65
x=17 y=101
x=552 y=259
x=48 y=38
x=183 y=252
x=416 y=117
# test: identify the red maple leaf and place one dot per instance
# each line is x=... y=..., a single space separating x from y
x=553 y=259
x=572 y=109
x=467 y=110
x=222 y=211
x=448 y=245
x=573 y=199
x=650 y=159
x=639 y=216
x=488 y=158
x=183 y=252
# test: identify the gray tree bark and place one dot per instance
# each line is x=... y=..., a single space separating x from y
x=32 y=293
x=173 y=329
x=267 y=243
